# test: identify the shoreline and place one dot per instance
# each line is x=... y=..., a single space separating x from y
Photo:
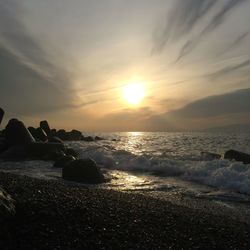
x=54 y=215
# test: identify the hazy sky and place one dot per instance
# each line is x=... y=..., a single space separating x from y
x=68 y=62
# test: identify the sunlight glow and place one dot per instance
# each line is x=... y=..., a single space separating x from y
x=133 y=93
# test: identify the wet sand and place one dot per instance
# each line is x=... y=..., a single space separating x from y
x=55 y=215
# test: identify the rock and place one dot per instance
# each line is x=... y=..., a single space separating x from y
x=17 y=134
x=238 y=156
x=83 y=170
x=7 y=205
x=62 y=134
x=210 y=156
x=53 y=132
x=46 y=151
x=15 y=153
x=41 y=135
x=71 y=151
x=55 y=139
x=87 y=138
x=45 y=126
x=74 y=135
x=63 y=161
x=3 y=144
x=32 y=130
x=1 y=114
x=97 y=138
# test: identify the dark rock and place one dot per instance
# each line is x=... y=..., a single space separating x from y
x=83 y=170
x=87 y=138
x=210 y=156
x=113 y=140
x=15 y=153
x=53 y=132
x=32 y=130
x=7 y=205
x=62 y=134
x=46 y=151
x=1 y=114
x=74 y=135
x=63 y=161
x=3 y=144
x=45 y=126
x=71 y=151
x=238 y=156
x=40 y=135
x=55 y=139
x=17 y=134
x=97 y=138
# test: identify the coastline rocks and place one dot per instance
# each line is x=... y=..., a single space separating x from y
x=7 y=205
x=237 y=156
x=3 y=144
x=63 y=161
x=14 y=153
x=87 y=138
x=1 y=114
x=44 y=125
x=40 y=135
x=83 y=170
x=17 y=134
x=55 y=139
x=46 y=151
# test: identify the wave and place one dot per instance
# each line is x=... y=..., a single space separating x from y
x=222 y=174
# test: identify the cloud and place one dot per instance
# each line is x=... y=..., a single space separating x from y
x=228 y=70
x=30 y=82
x=217 y=110
x=235 y=43
x=186 y=15
x=182 y=19
x=229 y=103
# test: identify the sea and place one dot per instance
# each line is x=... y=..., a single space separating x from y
x=164 y=164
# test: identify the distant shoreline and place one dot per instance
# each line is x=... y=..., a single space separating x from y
x=53 y=215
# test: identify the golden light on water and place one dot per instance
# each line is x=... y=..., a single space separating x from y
x=134 y=93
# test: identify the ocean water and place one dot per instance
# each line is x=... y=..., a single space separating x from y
x=164 y=162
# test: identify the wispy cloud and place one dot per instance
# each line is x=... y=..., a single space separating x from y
x=186 y=15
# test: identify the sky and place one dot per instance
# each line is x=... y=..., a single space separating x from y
x=70 y=61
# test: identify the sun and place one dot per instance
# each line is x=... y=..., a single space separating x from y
x=133 y=93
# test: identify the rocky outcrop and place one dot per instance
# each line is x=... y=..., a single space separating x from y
x=237 y=156
x=64 y=161
x=44 y=125
x=17 y=134
x=1 y=114
x=83 y=170
x=7 y=205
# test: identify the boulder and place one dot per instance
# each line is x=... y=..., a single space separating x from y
x=55 y=139
x=45 y=126
x=15 y=153
x=62 y=134
x=3 y=144
x=237 y=156
x=1 y=114
x=40 y=135
x=71 y=151
x=7 y=205
x=32 y=130
x=46 y=151
x=87 y=138
x=83 y=170
x=53 y=132
x=63 y=161
x=17 y=134
x=98 y=138
x=74 y=135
